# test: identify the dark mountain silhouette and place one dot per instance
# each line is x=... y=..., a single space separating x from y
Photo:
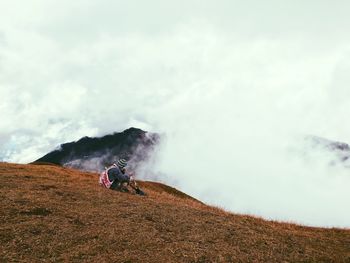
x=329 y=144
x=136 y=145
x=339 y=150
x=93 y=154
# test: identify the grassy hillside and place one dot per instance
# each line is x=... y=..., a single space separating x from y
x=50 y=213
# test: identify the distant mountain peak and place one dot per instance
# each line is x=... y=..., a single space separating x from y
x=94 y=153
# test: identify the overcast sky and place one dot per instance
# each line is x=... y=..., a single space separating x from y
x=234 y=85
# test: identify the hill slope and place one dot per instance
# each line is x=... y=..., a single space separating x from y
x=51 y=213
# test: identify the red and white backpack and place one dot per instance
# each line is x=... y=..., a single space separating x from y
x=103 y=180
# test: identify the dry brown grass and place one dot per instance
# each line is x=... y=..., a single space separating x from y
x=50 y=213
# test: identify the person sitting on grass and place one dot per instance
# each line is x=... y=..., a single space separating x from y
x=115 y=177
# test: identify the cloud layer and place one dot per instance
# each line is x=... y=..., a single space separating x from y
x=233 y=85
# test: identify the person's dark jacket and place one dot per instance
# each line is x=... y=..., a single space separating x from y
x=117 y=177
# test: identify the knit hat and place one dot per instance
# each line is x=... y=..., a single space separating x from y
x=122 y=163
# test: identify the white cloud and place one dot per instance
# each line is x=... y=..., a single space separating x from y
x=232 y=84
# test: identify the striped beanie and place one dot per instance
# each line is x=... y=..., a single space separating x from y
x=122 y=163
